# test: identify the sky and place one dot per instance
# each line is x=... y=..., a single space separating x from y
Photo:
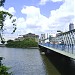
x=38 y=16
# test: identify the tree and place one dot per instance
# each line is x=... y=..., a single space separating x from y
x=2 y=41
x=2 y=2
x=3 y=15
x=9 y=41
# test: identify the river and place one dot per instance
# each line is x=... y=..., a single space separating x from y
x=27 y=62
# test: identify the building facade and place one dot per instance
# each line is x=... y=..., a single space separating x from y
x=67 y=37
x=71 y=26
x=42 y=39
x=29 y=35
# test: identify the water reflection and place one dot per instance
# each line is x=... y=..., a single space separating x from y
x=65 y=65
x=23 y=61
x=30 y=62
x=50 y=68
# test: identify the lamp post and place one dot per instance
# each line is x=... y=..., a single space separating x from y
x=60 y=39
x=59 y=31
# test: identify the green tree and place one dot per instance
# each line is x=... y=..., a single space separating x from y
x=9 y=41
x=3 y=15
x=26 y=43
x=2 y=41
x=2 y=2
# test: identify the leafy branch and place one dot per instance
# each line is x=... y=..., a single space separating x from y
x=3 y=15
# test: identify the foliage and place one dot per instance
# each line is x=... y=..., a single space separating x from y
x=2 y=41
x=3 y=69
x=9 y=41
x=3 y=15
x=2 y=2
x=26 y=43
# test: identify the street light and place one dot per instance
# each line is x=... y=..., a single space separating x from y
x=59 y=31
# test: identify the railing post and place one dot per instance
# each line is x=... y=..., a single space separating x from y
x=72 y=48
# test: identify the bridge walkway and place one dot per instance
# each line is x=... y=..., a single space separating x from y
x=62 y=49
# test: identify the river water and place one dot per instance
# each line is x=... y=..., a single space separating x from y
x=27 y=62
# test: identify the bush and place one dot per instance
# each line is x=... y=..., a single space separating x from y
x=3 y=69
x=26 y=43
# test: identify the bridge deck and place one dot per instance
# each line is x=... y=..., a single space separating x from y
x=64 y=52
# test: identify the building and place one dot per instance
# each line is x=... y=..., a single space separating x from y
x=42 y=39
x=19 y=39
x=71 y=26
x=68 y=37
x=29 y=35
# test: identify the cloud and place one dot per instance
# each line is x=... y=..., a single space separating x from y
x=61 y=17
x=32 y=14
x=57 y=0
x=2 y=9
x=37 y=23
x=43 y=2
x=8 y=21
x=8 y=27
x=12 y=10
x=35 y=19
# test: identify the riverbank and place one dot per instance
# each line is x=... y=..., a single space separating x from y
x=33 y=48
x=2 y=45
x=23 y=48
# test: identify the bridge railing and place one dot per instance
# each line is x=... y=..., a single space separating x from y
x=63 y=47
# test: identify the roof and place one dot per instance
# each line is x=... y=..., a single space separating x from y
x=31 y=34
x=59 y=34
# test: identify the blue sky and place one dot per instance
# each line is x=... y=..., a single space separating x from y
x=39 y=16
x=44 y=9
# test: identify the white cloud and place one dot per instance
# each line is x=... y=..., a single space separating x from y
x=57 y=0
x=32 y=14
x=2 y=9
x=35 y=19
x=7 y=23
x=21 y=26
x=36 y=23
x=43 y=2
x=8 y=27
x=63 y=16
x=30 y=10
x=11 y=10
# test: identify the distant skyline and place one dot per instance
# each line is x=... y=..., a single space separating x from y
x=39 y=16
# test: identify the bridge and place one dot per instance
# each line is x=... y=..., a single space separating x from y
x=67 y=48
x=68 y=51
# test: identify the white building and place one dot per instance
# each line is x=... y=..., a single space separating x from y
x=67 y=37
x=42 y=39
